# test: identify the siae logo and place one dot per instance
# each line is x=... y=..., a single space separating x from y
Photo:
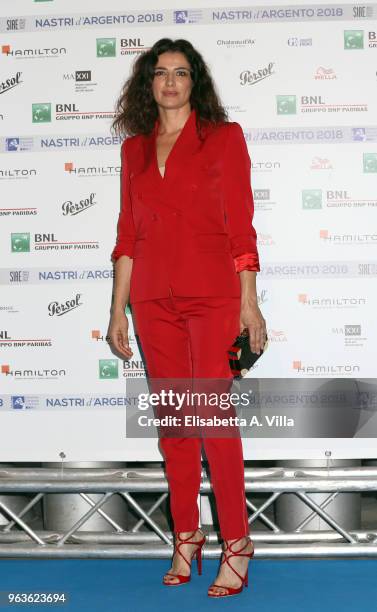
x=18 y=276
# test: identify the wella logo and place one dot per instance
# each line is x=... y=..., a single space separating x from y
x=325 y=74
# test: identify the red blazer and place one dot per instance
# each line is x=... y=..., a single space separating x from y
x=184 y=229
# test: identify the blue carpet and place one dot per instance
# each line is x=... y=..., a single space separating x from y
x=112 y=585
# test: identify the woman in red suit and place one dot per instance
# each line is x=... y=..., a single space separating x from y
x=186 y=259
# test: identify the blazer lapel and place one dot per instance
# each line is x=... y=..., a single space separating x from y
x=186 y=145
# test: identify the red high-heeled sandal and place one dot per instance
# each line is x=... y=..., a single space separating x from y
x=244 y=580
x=198 y=553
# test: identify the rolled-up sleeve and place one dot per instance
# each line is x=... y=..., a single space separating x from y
x=238 y=197
x=126 y=228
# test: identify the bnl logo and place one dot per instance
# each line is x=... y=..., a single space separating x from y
x=106 y=47
x=370 y=162
x=286 y=105
x=20 y=243
x=108 y=368
x=311 y=199
x=41 y=113
x=353 y=39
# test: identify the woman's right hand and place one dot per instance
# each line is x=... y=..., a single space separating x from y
x=118 y=333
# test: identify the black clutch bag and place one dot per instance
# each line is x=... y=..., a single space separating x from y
x=241 y=357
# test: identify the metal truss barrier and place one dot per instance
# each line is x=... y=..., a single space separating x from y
x=147 y=540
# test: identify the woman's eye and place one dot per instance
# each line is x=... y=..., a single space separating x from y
x=179 y=73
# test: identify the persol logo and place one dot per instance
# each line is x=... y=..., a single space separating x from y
x=58 y=309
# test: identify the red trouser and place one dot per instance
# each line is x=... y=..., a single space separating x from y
x=187 y=337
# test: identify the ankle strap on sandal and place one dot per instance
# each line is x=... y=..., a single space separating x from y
x=236 y=553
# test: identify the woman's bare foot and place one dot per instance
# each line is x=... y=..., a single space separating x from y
x=226 y=577
x=179 y=565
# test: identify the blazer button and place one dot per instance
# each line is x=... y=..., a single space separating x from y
x=154 y=217
x=194 y=186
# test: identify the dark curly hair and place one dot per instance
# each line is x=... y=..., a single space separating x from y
x=136 y=109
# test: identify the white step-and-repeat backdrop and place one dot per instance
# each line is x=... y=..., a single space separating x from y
x=301 y=79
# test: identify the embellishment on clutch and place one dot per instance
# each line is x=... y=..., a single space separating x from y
x=240 y=355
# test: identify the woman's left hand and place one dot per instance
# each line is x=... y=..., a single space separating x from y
x=252 y=318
